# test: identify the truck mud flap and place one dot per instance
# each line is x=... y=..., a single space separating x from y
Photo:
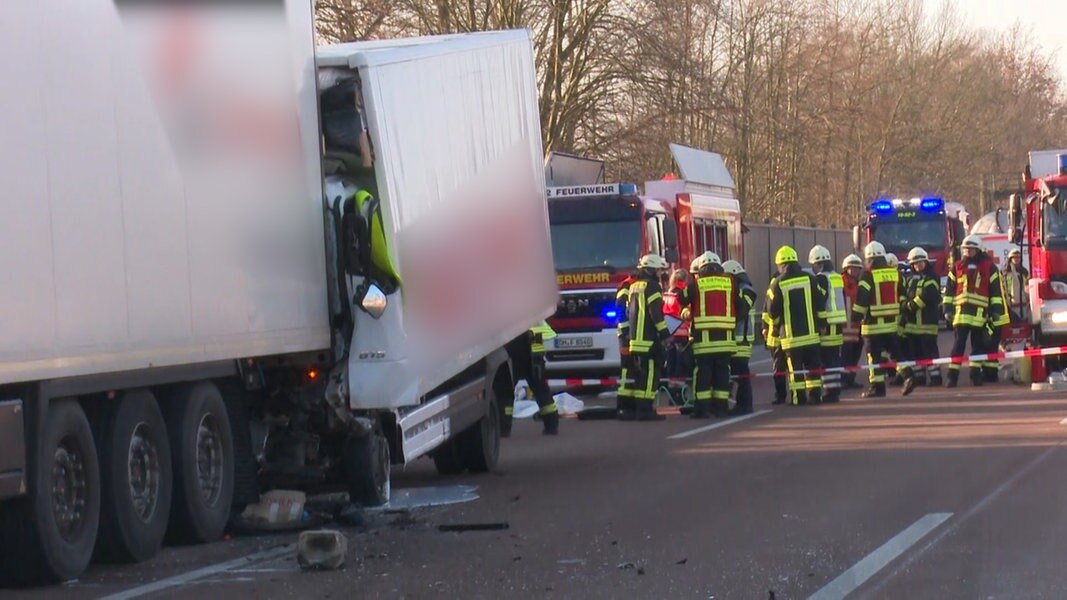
x=12 y=449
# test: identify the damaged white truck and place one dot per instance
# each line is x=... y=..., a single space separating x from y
x=230 y=263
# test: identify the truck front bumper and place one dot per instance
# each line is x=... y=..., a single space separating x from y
x=593 y=353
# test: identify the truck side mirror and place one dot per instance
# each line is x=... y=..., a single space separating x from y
x=671 y=254
x=1015 y=220
x=670 y=234
x=856 y=231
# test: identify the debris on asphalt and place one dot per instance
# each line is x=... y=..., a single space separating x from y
x=332 y=503
x=321 y=549
x=682 y=562
x=626 y=565
x=426 y=497
x=460 y=527
x=276 y=507
x=352 y=515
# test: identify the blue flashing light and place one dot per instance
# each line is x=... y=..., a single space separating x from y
x=628 y=189
x=611 y=313
x=932 y=204
x=882 y=207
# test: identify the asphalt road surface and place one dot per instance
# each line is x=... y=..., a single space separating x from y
x=944 y=494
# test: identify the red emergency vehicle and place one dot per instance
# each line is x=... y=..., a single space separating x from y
x=902 y=224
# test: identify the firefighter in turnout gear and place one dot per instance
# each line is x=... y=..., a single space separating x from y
x=1015 y=279
x=922 y=305
x=527 y=354
x=877 y=309
x=833 y=314
x=779 y=360
x=744 y=335
x=795 y=299
x=852 y=349
x=648 y=332
x=712 y=300
x=995 y=331
x=972 y=297
x=897 y=350
x=624 y=401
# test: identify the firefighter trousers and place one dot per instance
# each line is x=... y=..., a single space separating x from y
x=878 y=347
x=780 y=362
x=851 y=352
x=831 y=381
x=979 y=345
x=991 y=368
x=711 y=382
x=739 y=370
x=647 y=372
x=924 y=346
x=807 y=388
x=530 y=367
x=624 y=403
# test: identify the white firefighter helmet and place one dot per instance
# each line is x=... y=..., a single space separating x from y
x=819 y=254
x=917 y=254
x=891 y=259
x=652 y=261
x=852 y=260
x=874 y=250
x=1015 y=252
x=733 y=267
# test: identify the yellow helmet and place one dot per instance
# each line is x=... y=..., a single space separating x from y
x=785 y=255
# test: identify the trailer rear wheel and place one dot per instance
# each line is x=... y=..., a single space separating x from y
x=202 y=460
x=136 y=482
x=479 y=445
x=366 y=465
x=49 y=534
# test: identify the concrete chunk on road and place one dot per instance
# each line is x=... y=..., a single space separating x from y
x=321 y=549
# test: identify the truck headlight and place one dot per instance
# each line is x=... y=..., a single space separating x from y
x=372 y=300
x=1058 y=318
x=1059 y=287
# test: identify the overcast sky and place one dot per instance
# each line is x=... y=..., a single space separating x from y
x=1001 y=14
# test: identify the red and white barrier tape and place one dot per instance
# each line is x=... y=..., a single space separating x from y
x=925 y=362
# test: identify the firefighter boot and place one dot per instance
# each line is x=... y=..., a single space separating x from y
x=909 y=382
x=815 y=396
x=701 y=410
x=977 y=378
x=551 y=422
x=646 y=411
x=626 y=409
x=953 y=378
x=934 y=378
x=876 y=390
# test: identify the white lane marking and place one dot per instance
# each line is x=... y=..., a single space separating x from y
x=760 y=362
x=1063 y=422
x=984 y=502
x=202 y=572
x=691 y=432
x=860 y=572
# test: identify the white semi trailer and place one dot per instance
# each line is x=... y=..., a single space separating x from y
x=197 y=303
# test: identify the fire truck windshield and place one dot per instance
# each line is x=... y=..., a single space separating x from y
x=611 y=244
x=899 y=237
x=1055 y=233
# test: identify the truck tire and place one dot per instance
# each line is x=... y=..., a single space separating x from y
x=202 y=462
x=448 y=459
x=135 y=476
x=48 y=535
x=366 y=464
x=479 y=445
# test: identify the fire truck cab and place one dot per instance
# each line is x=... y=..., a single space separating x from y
x=902 y=224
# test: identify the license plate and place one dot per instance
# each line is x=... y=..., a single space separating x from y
x=574 y=342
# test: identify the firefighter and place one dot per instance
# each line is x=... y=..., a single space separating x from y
x=922 y=304
x=972 y=297
x=624 y=401
x=898 y=348
x=527 y=354
x=744 y=335
x=995 y=331
x=1017 y=279
x=795 y=298
x=648 y=332
x=877 y=309
x=833 y=314
x=712 y=300
x=779 y=360
x=852 y=348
